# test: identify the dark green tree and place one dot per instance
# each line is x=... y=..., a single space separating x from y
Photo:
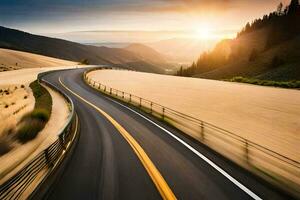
x=293 y=7
x=253 y=55
x=276 y=62
x=180 y=71
x=279 y=9
x=85 y=62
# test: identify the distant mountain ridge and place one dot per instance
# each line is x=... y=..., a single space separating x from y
x=63 y=49
x=268 y=48
x=145 y=53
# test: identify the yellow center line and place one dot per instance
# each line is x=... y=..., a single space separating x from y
x=151 y=169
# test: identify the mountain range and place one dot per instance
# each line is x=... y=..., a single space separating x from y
x=136 y=57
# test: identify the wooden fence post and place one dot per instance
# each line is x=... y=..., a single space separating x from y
x=202 y=131
x=247 y=151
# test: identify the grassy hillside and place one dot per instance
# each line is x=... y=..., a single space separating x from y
x=62 y=49
x=261 y=67
x=268 y=116
x=149 y=57
x=146 y=53
x=11 y=60
x=266 y=49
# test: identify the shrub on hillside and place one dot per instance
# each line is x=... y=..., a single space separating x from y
x=32 y=123
x=38 y=114
x=84 y=62
x=4 y=146
x=283 y=84
x=29 y=129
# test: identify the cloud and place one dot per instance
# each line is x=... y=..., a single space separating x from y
x=72 y=15
x=174 y=6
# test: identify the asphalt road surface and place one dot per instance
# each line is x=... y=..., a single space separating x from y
x=105 y=166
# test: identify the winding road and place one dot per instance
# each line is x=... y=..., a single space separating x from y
x=125 y=154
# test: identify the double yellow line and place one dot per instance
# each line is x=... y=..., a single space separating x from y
x=151 y=169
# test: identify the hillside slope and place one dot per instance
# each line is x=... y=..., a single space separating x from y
x=145 y=53
x=11 y=60
x=268 y=49
x=267 y=116
x=150 y=58
x=62 y=49
x=261 y=67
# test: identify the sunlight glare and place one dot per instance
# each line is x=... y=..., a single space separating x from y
x=204 y=32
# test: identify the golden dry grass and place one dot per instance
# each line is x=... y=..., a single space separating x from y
x=22 y=154
x=265 y=115
x=14 y=105
x=19 y=156
x=11 y=60
x=8 y=81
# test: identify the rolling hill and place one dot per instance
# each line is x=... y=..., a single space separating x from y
x=150 y=58
x=11 y=60
x=145 y=53
x=62 y=49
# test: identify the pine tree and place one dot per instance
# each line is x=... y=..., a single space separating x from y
x=279 y=9
x=293 y=7
x=253 y=55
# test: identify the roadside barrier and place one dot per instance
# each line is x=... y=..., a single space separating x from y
x=33 y=174
x=275 y=168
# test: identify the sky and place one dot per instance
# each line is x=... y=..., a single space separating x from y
x=133 y=20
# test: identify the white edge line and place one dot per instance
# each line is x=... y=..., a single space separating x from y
x=211 y=163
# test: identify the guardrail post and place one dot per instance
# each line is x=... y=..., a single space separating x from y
x=163 y=113
x=110 y=91
x=94 y=83
x=104 y=88
x=247 y=151
x=151 y=104
x=140 y=102
x=129 y=98
x=47 y=156
x=99 y=86
x=122 y=95
x=62 y=141
x=202 y=131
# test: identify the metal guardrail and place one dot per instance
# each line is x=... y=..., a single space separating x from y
x=16 y=187
x=266 y=163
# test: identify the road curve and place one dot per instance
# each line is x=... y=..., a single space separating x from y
x=105 y=166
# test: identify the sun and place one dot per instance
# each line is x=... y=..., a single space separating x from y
x=204 y=32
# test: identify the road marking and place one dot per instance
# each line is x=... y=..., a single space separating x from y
x=211 y=163
x=153 y=172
